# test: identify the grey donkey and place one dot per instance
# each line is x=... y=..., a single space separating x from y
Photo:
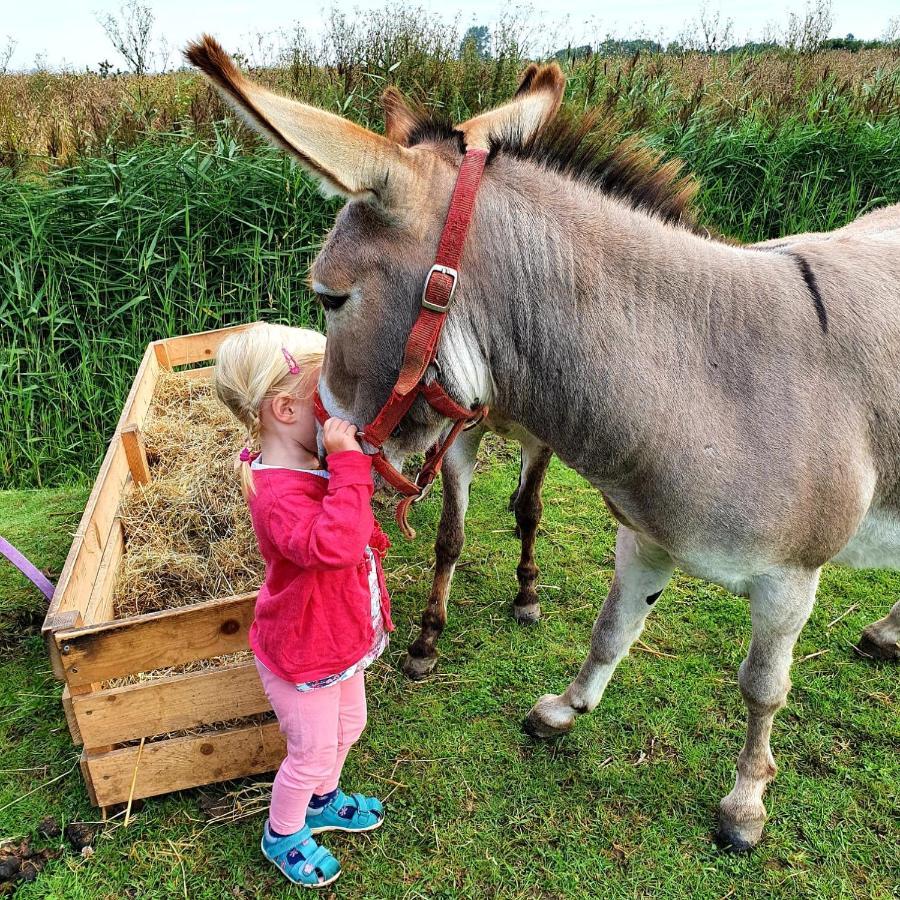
x=738 y=408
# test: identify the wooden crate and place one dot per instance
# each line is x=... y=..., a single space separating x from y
x=88 y=647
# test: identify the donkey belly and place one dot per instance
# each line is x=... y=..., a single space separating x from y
x=876 y=544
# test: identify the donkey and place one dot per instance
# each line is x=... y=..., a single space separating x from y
x=738 y=408
x=525 y=503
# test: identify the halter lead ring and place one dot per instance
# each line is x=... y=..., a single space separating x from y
x=421 y=349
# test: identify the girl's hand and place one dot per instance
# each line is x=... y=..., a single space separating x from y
x=339 y=435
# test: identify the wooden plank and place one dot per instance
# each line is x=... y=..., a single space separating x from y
x=201 y=373
x=99 y=607
x=185 y=762
x=71 y=720
x=137 y=405
x=80 y=569
x=52 y=624
x=155 y=640
x=194 y=348
x=136 y=454
x=86 y=775
x=177 y=703
x=161 y=354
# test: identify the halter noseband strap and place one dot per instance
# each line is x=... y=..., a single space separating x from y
x=421 y=349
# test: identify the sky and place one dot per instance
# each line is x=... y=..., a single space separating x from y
x=66 y=32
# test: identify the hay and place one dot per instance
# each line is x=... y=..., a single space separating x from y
x=188 y=535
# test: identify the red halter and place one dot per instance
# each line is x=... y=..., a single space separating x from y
x=421 y=349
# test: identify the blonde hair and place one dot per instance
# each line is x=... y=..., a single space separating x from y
x=251 y=367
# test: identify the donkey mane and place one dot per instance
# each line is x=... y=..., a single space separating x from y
x=580 y=148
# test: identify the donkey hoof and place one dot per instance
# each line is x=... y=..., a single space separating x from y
x=418 y=667
x=740 y=827
x=877 y=645
x=549 y=718
x=733 y=842
x=527 y=614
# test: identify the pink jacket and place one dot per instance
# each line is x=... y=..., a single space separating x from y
x=313 y=615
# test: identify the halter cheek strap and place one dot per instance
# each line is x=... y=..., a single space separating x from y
x=421 y=349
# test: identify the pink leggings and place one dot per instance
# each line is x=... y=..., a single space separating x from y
x=320 y=727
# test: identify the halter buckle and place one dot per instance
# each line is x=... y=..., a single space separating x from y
x=444 y=270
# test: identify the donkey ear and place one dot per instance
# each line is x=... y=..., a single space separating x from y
x=345 y=158
x=400 y=119
x=535 y=104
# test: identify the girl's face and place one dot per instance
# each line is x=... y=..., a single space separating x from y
x=305 y=426
x=291 y=416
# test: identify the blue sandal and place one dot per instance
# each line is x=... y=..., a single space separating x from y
x=300 y=858
x=360 y=813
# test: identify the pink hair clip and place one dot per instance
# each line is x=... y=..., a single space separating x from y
x=292 y=363
x=245 y=455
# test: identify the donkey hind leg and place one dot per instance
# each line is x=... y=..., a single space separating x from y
x=778 y=611
x=881 y=639
x=642 y=571
x=457 y=469
x=527 y=506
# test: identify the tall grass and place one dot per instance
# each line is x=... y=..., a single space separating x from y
x=51 y=120
x=129 y=211
x=162 y=239
x=114 y=253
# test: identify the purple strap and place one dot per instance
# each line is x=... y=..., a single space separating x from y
x=30 y=571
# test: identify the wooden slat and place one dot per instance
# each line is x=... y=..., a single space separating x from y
x=71 y=721
x=136 y=454
x=52 y=624
x=155 y=640
x=185 y=762
x=86 y=775
x=201 y=373
x=136 y=407
x=83 y=562
x=99 y=607
x=161 y=354
x=80 y=569
x=194 y=348
x=178 y=703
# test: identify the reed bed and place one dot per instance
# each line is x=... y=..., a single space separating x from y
x=50 y=120
x=130 y=210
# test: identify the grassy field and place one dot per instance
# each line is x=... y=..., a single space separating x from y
x=129 y=211
x=622 y=807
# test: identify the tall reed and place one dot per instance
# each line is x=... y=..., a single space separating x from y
x=129 y=211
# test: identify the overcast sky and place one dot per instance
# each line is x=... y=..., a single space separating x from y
x=65 y=32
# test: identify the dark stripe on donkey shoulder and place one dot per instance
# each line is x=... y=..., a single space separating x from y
x=813 y=287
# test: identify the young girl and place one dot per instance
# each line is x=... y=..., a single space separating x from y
x=323 y=612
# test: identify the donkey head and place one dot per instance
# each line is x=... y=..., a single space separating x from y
x=370 y=272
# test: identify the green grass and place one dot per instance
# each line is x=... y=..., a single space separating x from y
x=173 y=237
x=622 y=807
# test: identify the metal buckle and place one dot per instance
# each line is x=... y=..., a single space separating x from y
x=444 y=270
x=478 y=420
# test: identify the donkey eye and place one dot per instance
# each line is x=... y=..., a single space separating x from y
x=332 y=301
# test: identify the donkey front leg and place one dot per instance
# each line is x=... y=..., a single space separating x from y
x=459 y=464
x=642 y=571
x=779 y=609
x=527 y=506
x=881 y=639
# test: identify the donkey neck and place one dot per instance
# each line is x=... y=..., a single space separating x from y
x=603 y=322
